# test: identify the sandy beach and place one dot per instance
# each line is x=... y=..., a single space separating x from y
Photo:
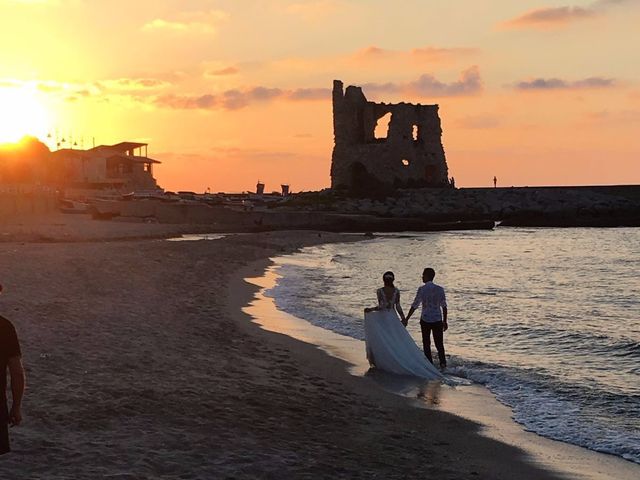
x=141 y=364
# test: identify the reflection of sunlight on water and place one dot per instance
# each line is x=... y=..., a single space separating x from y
x=429 y=393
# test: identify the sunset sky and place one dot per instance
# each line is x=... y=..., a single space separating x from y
x=227 y=92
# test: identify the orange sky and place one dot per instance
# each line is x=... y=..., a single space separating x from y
x=227 y=92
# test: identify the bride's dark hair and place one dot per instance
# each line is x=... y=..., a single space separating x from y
x=388 y=278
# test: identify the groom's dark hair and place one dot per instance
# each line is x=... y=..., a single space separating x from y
x=429 y=273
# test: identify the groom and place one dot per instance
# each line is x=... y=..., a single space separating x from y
x=434 y=315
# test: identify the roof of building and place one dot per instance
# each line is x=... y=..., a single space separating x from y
x=134 y=158
x=107 y=151
x=122 y=146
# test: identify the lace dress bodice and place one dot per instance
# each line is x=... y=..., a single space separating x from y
x=383 y=302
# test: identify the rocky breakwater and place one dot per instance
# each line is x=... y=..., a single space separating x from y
x=604 y=206
x=218 y=218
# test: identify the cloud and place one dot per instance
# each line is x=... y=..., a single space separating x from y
x=144 y=83
x=559 y=84
x=553 y=17
x=188 y=22
x=66 y=90
x=222 y=71
x=185 y=102
x=372 y=51
x=124 y=91
x=421 y=54
x=310 y=94
x=116 y=86
x=439 y=53
x=235 y=99
x=557 y=17
x=469 y=83
x=369 y=62
x=427 y=85
x=160 y=24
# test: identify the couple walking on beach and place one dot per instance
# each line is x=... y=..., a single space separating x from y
x=388 y=344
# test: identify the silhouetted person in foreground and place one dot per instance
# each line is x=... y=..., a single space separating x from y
x=495 y=181
x=433 y=317
x=11 y=359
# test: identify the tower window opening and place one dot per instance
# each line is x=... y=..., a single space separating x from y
x=382 y=127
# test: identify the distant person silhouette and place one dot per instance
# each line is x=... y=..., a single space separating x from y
x=495 y=181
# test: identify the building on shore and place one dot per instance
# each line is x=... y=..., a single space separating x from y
x=123 y=166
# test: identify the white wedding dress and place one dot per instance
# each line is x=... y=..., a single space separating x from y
x=389 y=346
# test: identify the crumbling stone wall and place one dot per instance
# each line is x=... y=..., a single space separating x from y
x=411 y=155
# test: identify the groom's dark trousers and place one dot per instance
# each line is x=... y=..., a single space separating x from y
x=436 y=328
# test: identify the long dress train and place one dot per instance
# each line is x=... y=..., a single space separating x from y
x=389 y=345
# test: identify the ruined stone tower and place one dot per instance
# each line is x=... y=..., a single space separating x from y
x=411 y=154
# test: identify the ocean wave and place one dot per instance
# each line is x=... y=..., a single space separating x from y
x=594 y=418
x=538 y=328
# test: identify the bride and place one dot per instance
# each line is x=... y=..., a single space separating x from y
x=389 y=345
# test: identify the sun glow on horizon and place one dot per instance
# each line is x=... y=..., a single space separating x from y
x=21 y=114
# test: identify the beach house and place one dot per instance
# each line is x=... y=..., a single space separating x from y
x=123 y=166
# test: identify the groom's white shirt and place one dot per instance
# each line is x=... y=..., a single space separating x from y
x=431 y=297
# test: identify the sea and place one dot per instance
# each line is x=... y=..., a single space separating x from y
x=547 y=319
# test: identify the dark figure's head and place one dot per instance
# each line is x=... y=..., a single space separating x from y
x=388 y=278
x=428 y=274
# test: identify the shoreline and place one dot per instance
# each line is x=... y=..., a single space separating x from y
x=141 y=363
x=473 y=402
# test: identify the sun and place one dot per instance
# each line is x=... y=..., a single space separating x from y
x=21 y=113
